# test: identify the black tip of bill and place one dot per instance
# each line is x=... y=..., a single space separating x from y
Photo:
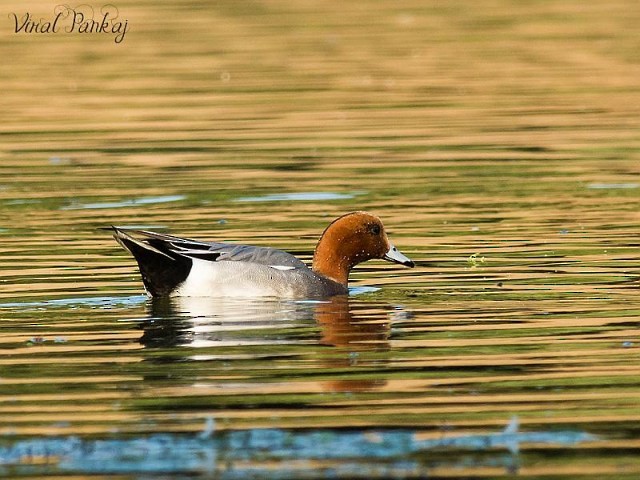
x=394 y=255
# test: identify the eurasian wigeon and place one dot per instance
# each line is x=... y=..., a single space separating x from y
x=174 y=266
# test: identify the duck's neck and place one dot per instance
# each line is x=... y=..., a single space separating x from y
x=329 y=262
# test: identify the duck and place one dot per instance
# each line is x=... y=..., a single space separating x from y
x=180 y=267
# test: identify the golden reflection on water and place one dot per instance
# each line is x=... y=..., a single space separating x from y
x=497 y=140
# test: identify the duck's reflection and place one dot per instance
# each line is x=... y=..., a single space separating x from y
x=217 y=322
x=361 y=326
x=249 y=326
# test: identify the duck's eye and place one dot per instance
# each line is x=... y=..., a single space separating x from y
x=374 y=229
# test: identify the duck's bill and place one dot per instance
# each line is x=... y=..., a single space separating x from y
x=394 y=255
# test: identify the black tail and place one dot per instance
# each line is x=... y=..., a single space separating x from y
x=162 y=270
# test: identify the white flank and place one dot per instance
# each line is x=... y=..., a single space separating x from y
x=232 y=279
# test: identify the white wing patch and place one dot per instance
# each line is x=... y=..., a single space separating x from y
x=282 y=267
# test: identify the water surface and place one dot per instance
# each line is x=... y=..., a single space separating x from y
x=499 y=143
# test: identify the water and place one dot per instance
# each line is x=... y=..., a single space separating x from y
x=498 y=141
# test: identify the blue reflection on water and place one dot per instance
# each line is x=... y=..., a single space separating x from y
x=134 y=202
x=300 y=197
x=130 y=301
x=238 y=454
x=612 y=186
x=100 y=302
